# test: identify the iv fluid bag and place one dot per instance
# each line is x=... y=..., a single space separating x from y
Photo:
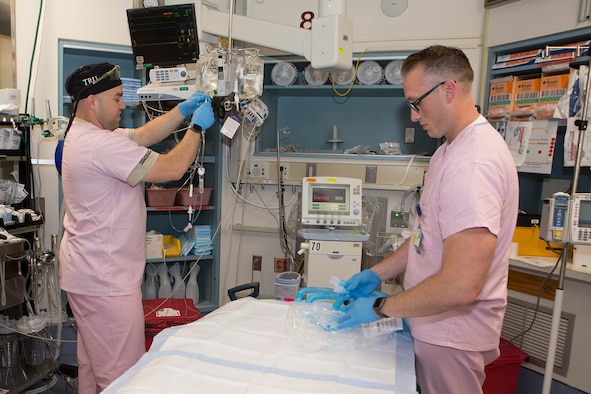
x=221 y=72
x=250 y=78
x=207 y=74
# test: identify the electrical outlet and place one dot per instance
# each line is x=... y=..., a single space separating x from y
x=397 y=219
x=256 y=170
x=284 y=168
x=257 y=263
x=281 y=264
x=371 y=174
x=409 y=135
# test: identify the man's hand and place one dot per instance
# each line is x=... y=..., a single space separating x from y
x=189 y=106
x=358 y=311
x=203 y=116
x=362 y=284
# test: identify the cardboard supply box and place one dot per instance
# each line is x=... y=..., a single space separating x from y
x=552 y=88
x=500 y=97
x=154 y=245
x=526 y=97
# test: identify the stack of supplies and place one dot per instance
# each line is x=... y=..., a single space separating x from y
x=203 y=242
x=130 y=87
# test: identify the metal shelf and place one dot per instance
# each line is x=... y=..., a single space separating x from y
x=329 y=91
x=180 y=258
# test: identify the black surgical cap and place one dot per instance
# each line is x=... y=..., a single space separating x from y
x=81 y=83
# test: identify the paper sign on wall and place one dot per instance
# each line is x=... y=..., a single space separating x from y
x=517 y=139
x=532 y=144
x=540 y=148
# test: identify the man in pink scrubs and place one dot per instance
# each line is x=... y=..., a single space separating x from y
x=102 y=252
x=456 y=262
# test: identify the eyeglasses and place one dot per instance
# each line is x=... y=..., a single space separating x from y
x=113 y=74
x=414 y=105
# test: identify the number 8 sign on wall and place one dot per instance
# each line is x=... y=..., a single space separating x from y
x=306 y=22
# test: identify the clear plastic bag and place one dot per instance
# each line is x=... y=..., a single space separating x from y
x=12 y=192
x=568 y=104
x=309 y=330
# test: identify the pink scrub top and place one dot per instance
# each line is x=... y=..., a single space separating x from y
x=102 y=252
x=471 y=182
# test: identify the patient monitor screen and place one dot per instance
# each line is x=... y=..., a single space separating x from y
x=331 y=201
x=164 y=36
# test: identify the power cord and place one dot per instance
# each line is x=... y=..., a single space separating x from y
x=538 y=299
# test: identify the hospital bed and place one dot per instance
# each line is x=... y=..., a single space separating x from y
x=244 y=347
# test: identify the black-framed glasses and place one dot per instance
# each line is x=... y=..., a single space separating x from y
x=414 y=105
x=113 y=74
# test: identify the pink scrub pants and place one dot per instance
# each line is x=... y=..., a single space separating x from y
x=444 y=370
x=111 y=337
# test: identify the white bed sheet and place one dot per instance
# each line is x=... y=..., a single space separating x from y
x=243 y=347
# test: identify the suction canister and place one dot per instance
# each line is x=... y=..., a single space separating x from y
x=34 y=339
x=287 y=285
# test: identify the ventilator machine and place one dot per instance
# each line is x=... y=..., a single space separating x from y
x=331 y=212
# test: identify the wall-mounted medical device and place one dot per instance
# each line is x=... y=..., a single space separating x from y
x=171 y=74
x=164 y=36
x=331 y=201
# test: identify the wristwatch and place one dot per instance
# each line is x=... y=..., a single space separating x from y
x=377 y=307
x=196 y=128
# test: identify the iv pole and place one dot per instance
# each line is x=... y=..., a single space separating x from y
x=558 y=299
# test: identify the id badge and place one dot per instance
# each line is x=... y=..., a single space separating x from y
x=417 y=239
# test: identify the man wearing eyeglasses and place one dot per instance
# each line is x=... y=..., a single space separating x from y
x=456 y=261
x=102 y=252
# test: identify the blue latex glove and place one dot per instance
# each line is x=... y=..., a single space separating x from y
x=358 y=311
x=189 y=106
x=363 y=284
x=203 y=116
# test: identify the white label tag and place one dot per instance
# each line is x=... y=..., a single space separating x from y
x=381 y=327
x=231 y=125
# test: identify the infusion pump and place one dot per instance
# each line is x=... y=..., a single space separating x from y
x=563 y=211
x=580 y=218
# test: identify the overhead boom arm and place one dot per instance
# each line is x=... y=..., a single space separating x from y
x=328 y=45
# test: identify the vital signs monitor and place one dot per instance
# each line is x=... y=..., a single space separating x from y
x=164 y=36
x=331 y=201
